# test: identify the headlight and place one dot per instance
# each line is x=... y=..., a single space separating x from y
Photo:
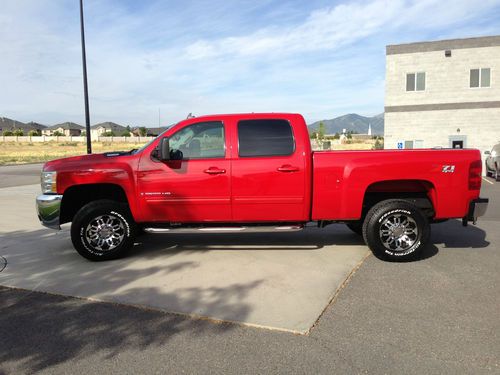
x=49 y=182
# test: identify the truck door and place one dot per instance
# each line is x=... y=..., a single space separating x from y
x=268 y=172
x=194 y=189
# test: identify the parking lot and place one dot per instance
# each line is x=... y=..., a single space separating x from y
x=313 y=301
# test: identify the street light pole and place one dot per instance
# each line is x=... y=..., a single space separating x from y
x=85 y=86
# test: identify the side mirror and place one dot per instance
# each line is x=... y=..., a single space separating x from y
x=164 y=149
x=487 y=153
x=176 y=155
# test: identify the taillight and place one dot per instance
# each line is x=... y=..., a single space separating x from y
x=475 y=172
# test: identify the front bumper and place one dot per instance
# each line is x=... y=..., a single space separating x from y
x=48 y=207
x=477 y=208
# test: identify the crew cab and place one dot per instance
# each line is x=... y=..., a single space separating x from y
x=256 y=172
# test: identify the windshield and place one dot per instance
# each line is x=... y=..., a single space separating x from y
x=151 y=141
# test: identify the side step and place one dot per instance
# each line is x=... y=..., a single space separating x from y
x=249 y=229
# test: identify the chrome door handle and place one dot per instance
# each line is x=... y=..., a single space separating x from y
x=287 y=168
x=214 y=170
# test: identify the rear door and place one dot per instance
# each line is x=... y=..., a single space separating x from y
x=268 y=172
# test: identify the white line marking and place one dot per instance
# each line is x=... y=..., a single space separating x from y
x=488 y=181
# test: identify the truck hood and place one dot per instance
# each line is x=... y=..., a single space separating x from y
x=86 y=161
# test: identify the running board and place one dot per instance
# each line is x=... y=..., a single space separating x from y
x=249 y=229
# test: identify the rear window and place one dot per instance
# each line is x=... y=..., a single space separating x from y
x=265 y=138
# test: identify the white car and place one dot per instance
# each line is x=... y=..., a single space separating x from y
x=492 y=163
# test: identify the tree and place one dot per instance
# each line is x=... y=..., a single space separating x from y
x=19 y=132
x=313 y=135
x=379 y=145
x=126 y=133
x=8 y=133
x=321 y=130
x=83 y=133
x=34 y=133
x=57 y=133
x=143 y=131
x=108 y=134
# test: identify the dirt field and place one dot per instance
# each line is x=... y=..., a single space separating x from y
x=20 y=153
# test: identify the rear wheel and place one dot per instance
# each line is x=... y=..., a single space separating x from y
x=396 y=230
x=103 y=230
x=496 y=173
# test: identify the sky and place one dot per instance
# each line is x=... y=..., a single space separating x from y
x=319 y=58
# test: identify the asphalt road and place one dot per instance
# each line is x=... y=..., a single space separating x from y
x=436 y=315
x=19 y=175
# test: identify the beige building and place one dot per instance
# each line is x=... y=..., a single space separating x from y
x=443 y=94
x=65 y=129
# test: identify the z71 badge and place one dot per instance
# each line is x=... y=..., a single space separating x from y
x=448 y=169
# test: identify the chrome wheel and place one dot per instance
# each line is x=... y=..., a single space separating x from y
x=398 y=232
x=105 y=232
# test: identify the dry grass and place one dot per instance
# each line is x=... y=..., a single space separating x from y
x=21 y=153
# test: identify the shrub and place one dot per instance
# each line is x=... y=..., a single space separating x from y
x=57 y=133
x=8 y=133
x=108 y=134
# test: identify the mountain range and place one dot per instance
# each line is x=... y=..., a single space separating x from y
x=351 y=122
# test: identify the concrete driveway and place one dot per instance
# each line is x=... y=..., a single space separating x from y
x=277 y=281
x=438 y=315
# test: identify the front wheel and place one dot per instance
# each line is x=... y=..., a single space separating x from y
x=396 y=230
x=103 y=230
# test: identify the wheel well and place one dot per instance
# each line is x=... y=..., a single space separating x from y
x=75 y=197
x=419 y=192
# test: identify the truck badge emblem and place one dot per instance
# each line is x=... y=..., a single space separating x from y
x=448 y=169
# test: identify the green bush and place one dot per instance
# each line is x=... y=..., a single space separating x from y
x=8 y=133
x=19 y=132
x=108 y=134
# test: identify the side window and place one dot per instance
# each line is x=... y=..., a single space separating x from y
x=265 y=138
x=200 y=141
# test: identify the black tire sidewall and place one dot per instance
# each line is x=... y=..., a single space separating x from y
x=372 y=235
x=86 y=214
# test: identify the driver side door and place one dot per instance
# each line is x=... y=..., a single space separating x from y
x=194 y=189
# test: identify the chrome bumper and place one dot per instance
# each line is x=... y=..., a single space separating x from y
x=477 y=208
x=48 y=208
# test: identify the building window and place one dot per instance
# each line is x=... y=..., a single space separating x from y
x=415 y=81
x=480 y=77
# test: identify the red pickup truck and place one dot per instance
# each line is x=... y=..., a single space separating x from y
x=256 y=172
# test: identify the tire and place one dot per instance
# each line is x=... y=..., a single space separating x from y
x=488 y=172
x=356 y=227
x=496 y=173
x=396 y=218
x=103 y=230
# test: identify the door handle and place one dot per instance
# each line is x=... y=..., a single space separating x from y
x=214 y=170
x=287 y=168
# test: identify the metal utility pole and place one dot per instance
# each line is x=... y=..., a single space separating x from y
x=85 y=86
